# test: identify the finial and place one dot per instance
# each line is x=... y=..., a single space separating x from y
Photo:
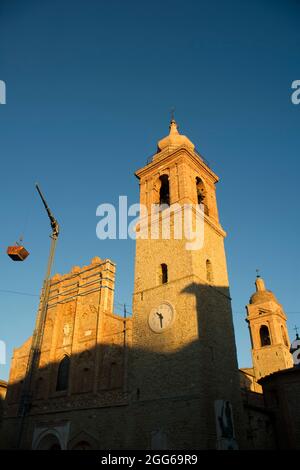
x=296 y=329
x=173 y=124
x=259 y=282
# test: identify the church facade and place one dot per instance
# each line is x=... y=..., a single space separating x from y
x=167 y=377
x=82 y=367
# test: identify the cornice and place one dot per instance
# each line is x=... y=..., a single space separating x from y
x=167 y=156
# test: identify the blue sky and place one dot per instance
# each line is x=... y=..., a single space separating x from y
x=89 y=90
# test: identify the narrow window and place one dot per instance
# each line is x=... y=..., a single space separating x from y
x=201 y=194
x=63 y=374
x=264 y=336
x=164 y=273
x=164 y=192
x=209 y=274
x=284 y=336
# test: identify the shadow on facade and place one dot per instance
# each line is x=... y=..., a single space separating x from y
x=157 y=395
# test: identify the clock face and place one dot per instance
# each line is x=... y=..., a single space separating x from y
x=161 y=317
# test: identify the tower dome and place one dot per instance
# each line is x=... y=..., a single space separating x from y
x=174 y=139
x=262 y=294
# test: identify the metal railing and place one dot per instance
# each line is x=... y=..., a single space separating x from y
x=198 y=154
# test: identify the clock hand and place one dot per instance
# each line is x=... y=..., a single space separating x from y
x=161 y=317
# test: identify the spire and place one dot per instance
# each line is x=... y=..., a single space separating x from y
x=173 y=127
x=259 y=283
x=173 y=124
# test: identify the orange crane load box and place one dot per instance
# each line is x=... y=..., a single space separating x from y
x=17 y=253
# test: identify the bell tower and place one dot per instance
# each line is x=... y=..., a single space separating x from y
x=183 y=357
x=268 y=332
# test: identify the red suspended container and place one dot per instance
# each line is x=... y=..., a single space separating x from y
x=17 y=252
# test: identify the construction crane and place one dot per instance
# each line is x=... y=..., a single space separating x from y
x=37 y=338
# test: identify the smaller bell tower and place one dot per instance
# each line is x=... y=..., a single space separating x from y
x=268 y=332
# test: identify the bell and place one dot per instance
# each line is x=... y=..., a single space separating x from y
x=17 y=253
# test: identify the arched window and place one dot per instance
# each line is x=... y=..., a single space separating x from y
x=264 y=336
x=201 y=194
x=164 y=273
x=209 y=273
x=164 y=192
x=284 y=337
x=82 y=445
x=63 y=374
x=49 y=442
x=55 y=447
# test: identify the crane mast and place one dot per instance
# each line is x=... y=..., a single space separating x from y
x=37 y=338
